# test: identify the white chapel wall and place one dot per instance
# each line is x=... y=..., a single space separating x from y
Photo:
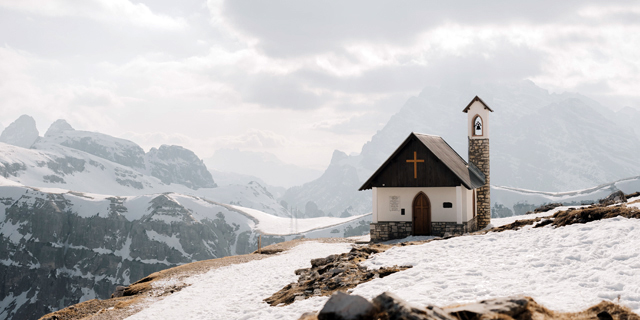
x=384 y=203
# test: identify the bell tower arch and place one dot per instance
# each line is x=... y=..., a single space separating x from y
x=478 y=133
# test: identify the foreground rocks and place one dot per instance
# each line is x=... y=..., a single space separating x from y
x=572 y=216
x=388 y=306
x=331 y=274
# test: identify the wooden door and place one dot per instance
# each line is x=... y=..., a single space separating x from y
x=421 y=215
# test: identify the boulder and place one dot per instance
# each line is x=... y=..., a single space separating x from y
x=616 y=197
x=342 y=306
x=396 y=309
x=512 y=307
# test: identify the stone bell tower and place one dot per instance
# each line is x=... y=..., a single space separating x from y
x=478 y=132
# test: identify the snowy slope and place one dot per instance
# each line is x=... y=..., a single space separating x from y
x=566 y=269
x=53 y=165
x=61 y=247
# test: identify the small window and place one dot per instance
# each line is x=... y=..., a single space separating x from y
x=447 y=205
x=402 y=212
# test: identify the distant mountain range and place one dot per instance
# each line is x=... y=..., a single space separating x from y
x=82 y=212
x=539 y=141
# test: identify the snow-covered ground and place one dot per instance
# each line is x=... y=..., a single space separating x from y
x=272 y=225
x=237 y=291
x=566 y=269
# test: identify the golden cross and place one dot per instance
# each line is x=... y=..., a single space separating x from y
x=415 y=164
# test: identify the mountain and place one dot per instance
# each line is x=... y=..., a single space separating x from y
x=224 y=179
x=175 y=164
x=539 y=141
x=60 y=247
x=22 y=132
x=333 y=194
x=264 y=165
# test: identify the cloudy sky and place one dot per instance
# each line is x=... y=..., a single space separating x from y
x=294 y=78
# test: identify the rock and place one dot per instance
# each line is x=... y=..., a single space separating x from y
x=604 y=315
x=175 y=164
x=58 y=127
x=328 y=275
x=397 y=309
x=342 y=306
x=546 y=207
x=119 y=292
x=512 y=307
x=616 y=197
x=22 y=132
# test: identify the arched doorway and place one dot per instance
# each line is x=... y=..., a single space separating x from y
x=421 y=215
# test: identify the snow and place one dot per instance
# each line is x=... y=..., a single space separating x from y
x=172 y=241
x=237 y=291
x=272 y=225
x=497 y=222
x=566 y=269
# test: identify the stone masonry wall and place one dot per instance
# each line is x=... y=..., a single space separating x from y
x=479 y=155
x=389 y=230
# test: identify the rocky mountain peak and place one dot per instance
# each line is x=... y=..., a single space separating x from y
x=175 y=164
x=58 y=127
x=21 y=133
x=338 y=156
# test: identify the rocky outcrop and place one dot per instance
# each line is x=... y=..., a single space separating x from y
x=391 y=307
x=333 y=273
x=175 y=164
x=22 y=132
x=614 y=198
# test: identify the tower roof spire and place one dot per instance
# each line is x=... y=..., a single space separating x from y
x=474 y=100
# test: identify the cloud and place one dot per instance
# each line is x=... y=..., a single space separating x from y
x=292 y=28
x=112 y=11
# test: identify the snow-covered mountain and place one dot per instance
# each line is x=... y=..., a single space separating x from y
x=539 y=141
x=97 y=163
x=61 y=247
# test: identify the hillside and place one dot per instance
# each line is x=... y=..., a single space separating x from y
x=566 y=269
x=61 y=247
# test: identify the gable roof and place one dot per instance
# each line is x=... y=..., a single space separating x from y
x=470 y=176
x=474 y=100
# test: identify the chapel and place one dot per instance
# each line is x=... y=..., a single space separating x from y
x=426 y=188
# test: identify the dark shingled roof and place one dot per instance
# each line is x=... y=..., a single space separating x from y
x=470 y=176
x=474 y=100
